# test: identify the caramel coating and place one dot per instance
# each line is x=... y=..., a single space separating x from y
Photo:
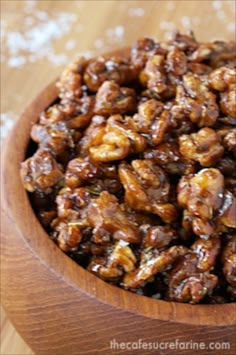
x=134 y=175
x=191 y=280
x=116 y=140
x=229 y=261
x=202 y=196
x=106 y=217
x=41 y=172
x=112 y=69
x=203 y=146
x=111 y=99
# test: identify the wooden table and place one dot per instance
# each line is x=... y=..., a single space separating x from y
x=39 y=37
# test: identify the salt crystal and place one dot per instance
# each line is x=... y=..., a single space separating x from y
x=217 y=4
x=167 y=25
x=231 y=27
x=29 y=6
x=15 y=62
x=29 y=21
x=58 y=59
x=136 y=11
x=7 y=121
x=99 y=43
x=186 y=21
x=70 y=44
x=221 y=15
x=35 y=41
x=119 y=31
x=41 y=15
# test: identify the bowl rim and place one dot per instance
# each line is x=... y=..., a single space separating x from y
x=62 y=265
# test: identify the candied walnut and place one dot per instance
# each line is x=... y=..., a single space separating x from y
x=153 y=262
x=71 y=205
x=203 y=146
x=76 y=114
x=224 y=53
x=98 y=267
x=202 y=196
x=121 y=259
x=202 y=52
x=154 y=77
x=160 y=127
x=147 y=188
x=116 y=140
x=41 y=172
x=229 y=261
x=193 y=288
x=143 y=49
x=102 y=69
x=195 y=100
x=230 y=182
x=159 y=236
x=153 y=120
x=56 y=137
x=141 y=219
x=106 y=215
x=228 y=136
x=93 y=133
x=70 y=83
x=99 y=177
x=190 y=280
x=227 y=120
x=186 y=43
x=230 y=140
x=112 y=99
x=69 y=236
x=176 y=62
x=228 y=101
x=46 y=217
x=147 y=112
x=221 y=78
x=168 y=156
x=227 y=212
x=207 y=250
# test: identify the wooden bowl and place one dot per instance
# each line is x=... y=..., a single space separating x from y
x=60 y=308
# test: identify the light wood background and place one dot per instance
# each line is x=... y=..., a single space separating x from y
x=40 y=36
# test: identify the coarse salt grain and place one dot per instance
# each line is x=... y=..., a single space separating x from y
x=119 y=31
x=186 y=21
x=35 y=40
x=71 y=44
x=136 y=11
x=7 y=120
x=99 y=43
x=115 y=33
x=231 y=27
x=15 y=62
x=167 y=25
x=221 y=15
x=217 y=4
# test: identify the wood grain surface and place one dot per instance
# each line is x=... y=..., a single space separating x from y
x=68 y=27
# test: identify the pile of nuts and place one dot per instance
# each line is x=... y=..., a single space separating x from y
x=135 y=172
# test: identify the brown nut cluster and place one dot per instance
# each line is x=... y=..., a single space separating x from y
x=135 y=173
